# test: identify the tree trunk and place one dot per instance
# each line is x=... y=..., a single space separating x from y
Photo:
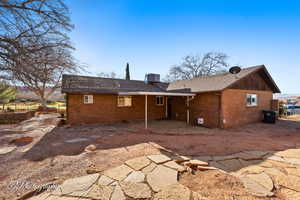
x=43 y=102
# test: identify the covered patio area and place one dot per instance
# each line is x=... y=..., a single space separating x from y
x=165 y=96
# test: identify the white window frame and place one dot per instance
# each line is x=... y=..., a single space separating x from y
x=126 y=103
x=159 y=103
x=254 y=100
x=88 y=99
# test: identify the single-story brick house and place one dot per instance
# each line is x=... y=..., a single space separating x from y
x=223 y=100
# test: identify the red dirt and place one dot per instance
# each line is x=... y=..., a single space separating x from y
x=50 y=159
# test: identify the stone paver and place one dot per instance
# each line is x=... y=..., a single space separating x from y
x=255 y=188
x=293 y=171
x=136 y=190
x=262 y=179
x=77 y=186
x=273 y=172
x=294 y=161
x=6 y=150
x=52 y=197
x=118 y=194
x=289 y=181
x=273 y=157
x=252 y=169
x=138 y=163
x=196 y=163
x=172 y=164
x=289 y=153
x=149 y=168
x=173 y=192
x=161 y=177
x=278 y=172
x=100 y=192
x=104 y=180
x=118 y=173
x=136 y=177
x=159 y=158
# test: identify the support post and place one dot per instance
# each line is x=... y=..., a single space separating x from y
x=166 y=107
x=146 y=112
x=188 y=110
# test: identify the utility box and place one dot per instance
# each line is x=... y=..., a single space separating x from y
x=152 y=78
x=269 y=116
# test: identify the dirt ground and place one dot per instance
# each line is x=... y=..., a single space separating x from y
x=216 y=185
x=57 y=153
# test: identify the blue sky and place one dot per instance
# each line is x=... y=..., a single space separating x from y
x=153 y=35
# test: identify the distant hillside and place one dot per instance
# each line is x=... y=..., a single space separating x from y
x=25 y=94
x=286 y=96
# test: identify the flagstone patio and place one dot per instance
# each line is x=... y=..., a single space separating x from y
x=156 y=177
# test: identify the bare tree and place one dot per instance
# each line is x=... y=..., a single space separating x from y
x=42 y=72
x=196 y=66
x=35 y=49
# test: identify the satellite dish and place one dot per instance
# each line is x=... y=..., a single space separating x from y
x=235 y=70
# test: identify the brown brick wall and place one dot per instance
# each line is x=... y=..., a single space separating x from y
x=105 y=109
x=204 y=105
x=234 y=107
x=275 y=104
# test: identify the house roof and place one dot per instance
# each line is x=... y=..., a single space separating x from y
x=219 y=82
x=95 y=85
x=86 y=84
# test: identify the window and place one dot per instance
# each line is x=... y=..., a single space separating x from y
x=251 y=99
x=88 y=99
x=124 y=101
x=159 y=100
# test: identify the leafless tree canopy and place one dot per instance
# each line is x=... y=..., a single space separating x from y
x=196 y=66
x=35 y=49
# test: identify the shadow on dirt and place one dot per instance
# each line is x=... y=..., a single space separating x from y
x=213 y=142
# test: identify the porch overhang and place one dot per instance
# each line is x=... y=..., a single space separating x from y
x=158 y=93
x=146 y=94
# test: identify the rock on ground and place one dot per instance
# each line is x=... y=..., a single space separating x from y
x=77 y=185
x=104 y=180
x=6 y=150
x=138 y=163
x=118 y=173
x=161 y=177
x=262 y=179
x=255 y=189
x=159 y=158
x=136 y=177
x=136 y=190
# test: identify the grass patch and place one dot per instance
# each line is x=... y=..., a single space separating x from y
x=32 y=105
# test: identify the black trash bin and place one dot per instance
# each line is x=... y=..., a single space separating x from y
x=269 y=116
